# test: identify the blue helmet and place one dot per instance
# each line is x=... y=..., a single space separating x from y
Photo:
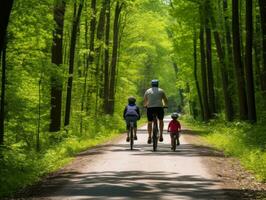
x=154 y=83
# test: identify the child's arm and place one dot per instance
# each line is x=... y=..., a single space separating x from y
x=169 y=126
x=124 y=115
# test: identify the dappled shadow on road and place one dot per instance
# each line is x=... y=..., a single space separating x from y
x=133 y=185
x=186 y=150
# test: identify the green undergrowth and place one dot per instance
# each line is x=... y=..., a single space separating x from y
x=239 y=139
x=21 y=168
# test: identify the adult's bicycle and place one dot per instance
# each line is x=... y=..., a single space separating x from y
x=155 y=131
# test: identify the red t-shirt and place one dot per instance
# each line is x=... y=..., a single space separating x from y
x=174 y=126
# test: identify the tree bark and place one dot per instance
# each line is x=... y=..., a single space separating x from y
x=224 y=71
x=76 y=19
x=211 y=96
x=262 y=4
x=196 y=75
x=242 y=99
x=99 y=56
x=57 y=58
x=204 y=77
x=106 y=57
x=5 y=11
x=3 y=94
x=248 y=64
x=111 y=100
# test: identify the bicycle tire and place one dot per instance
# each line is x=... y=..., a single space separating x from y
x=131 y=138
x=155 y=137
x=174 y=142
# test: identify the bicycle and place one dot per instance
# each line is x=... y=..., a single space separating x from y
x=131 y=135
x=155 y=131
x=175 y=140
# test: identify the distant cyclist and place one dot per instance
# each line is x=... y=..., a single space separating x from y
x=131 y=114
x=155 y=100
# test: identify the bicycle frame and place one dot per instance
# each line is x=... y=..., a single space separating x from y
x=131 y=130
x=155 y=131
x=175 y=140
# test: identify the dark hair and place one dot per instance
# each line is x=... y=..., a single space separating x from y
x=131 y=100
x=154 y=83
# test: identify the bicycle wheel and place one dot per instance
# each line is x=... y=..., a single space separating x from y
x=131 y=138
x=174 y=142
x=155 y=137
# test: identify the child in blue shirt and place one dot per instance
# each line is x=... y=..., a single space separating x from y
x=131 y=114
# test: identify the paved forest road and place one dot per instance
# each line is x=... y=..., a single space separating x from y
x=116 y=172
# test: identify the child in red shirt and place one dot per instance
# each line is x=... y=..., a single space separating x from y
x=174 y=127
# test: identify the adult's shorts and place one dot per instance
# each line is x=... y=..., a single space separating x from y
x=131 y=119
x=158 y=111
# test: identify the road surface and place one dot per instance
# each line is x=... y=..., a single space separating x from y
x=116 y=172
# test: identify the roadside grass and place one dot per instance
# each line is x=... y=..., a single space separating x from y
x=21 y=168
x=238 y=139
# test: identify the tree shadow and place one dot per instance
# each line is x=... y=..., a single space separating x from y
x=134 y=185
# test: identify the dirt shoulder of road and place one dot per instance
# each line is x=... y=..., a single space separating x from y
x=236 y=181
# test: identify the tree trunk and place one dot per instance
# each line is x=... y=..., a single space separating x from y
x=76 y=19
x=204 y=77
x=211 y=97
x=224 y=71
x=90 y=45
x=248 y=65
x=57 y=58
x=99 y=55
x=106 y=57
x=114 y=58
x=5 y=10
x=238 y=62
x=262 y=4
x=3 y=91
x=196 y=76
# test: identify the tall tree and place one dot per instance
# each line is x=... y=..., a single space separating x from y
x=223 y=68
x=196 y=74
x=106 y=58
x=99 y=55
x=75 y=24
x=5 y=10
x=211 y=97
x=204 y=77
x=57 y=60
x=248 y=63
x=111 y=100
x=262 y=4
x=239 y=70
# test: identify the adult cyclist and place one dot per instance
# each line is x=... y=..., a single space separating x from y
x=155 y=100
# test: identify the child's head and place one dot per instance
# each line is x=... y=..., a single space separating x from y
x=174 y=116
x=131 y=100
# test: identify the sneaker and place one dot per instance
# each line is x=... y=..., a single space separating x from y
x=178 y=143
x=161 y=138
x=149 y=140
x=127 y=139
x=135 y=137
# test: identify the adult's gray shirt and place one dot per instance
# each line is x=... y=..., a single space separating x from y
x=155 y=97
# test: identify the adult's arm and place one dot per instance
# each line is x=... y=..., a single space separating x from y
x=145 y=103
x=165 y=100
